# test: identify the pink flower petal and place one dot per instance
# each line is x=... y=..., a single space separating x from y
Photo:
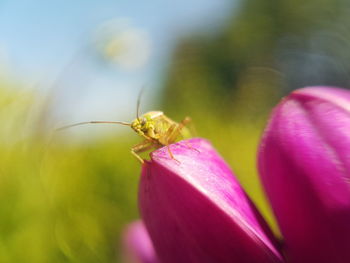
x=304 y=163
x=138 y=247
x=196 y=211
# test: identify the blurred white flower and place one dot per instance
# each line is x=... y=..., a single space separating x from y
x=126 y=46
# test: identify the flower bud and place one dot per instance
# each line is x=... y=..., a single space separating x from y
x=304 y=163
x=195 y=210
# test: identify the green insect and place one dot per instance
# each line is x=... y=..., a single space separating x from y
x=157 y=130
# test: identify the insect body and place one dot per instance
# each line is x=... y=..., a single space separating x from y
x=158 y=130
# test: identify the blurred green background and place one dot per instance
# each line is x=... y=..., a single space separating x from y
x=65 y=197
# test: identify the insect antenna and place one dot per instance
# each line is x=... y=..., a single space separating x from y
x=138 y=104
x=93 y=122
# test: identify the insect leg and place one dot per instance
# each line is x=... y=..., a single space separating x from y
x=171 y=154
x=165 y=141
x=172 y=137
x=141 y=147
x=176 y=132
x=191 y=127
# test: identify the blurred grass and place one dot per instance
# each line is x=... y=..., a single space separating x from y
x=59 y=201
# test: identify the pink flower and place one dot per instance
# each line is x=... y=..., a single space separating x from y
x=196 y=211
x=138 y=247
x=304 y=162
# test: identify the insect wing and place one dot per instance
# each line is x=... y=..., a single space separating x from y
x=162 y=124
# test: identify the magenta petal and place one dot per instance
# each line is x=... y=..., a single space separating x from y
x=196 y=211
x=304 y=162
x=138 y=247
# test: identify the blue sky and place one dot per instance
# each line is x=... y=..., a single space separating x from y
x=47 y=40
